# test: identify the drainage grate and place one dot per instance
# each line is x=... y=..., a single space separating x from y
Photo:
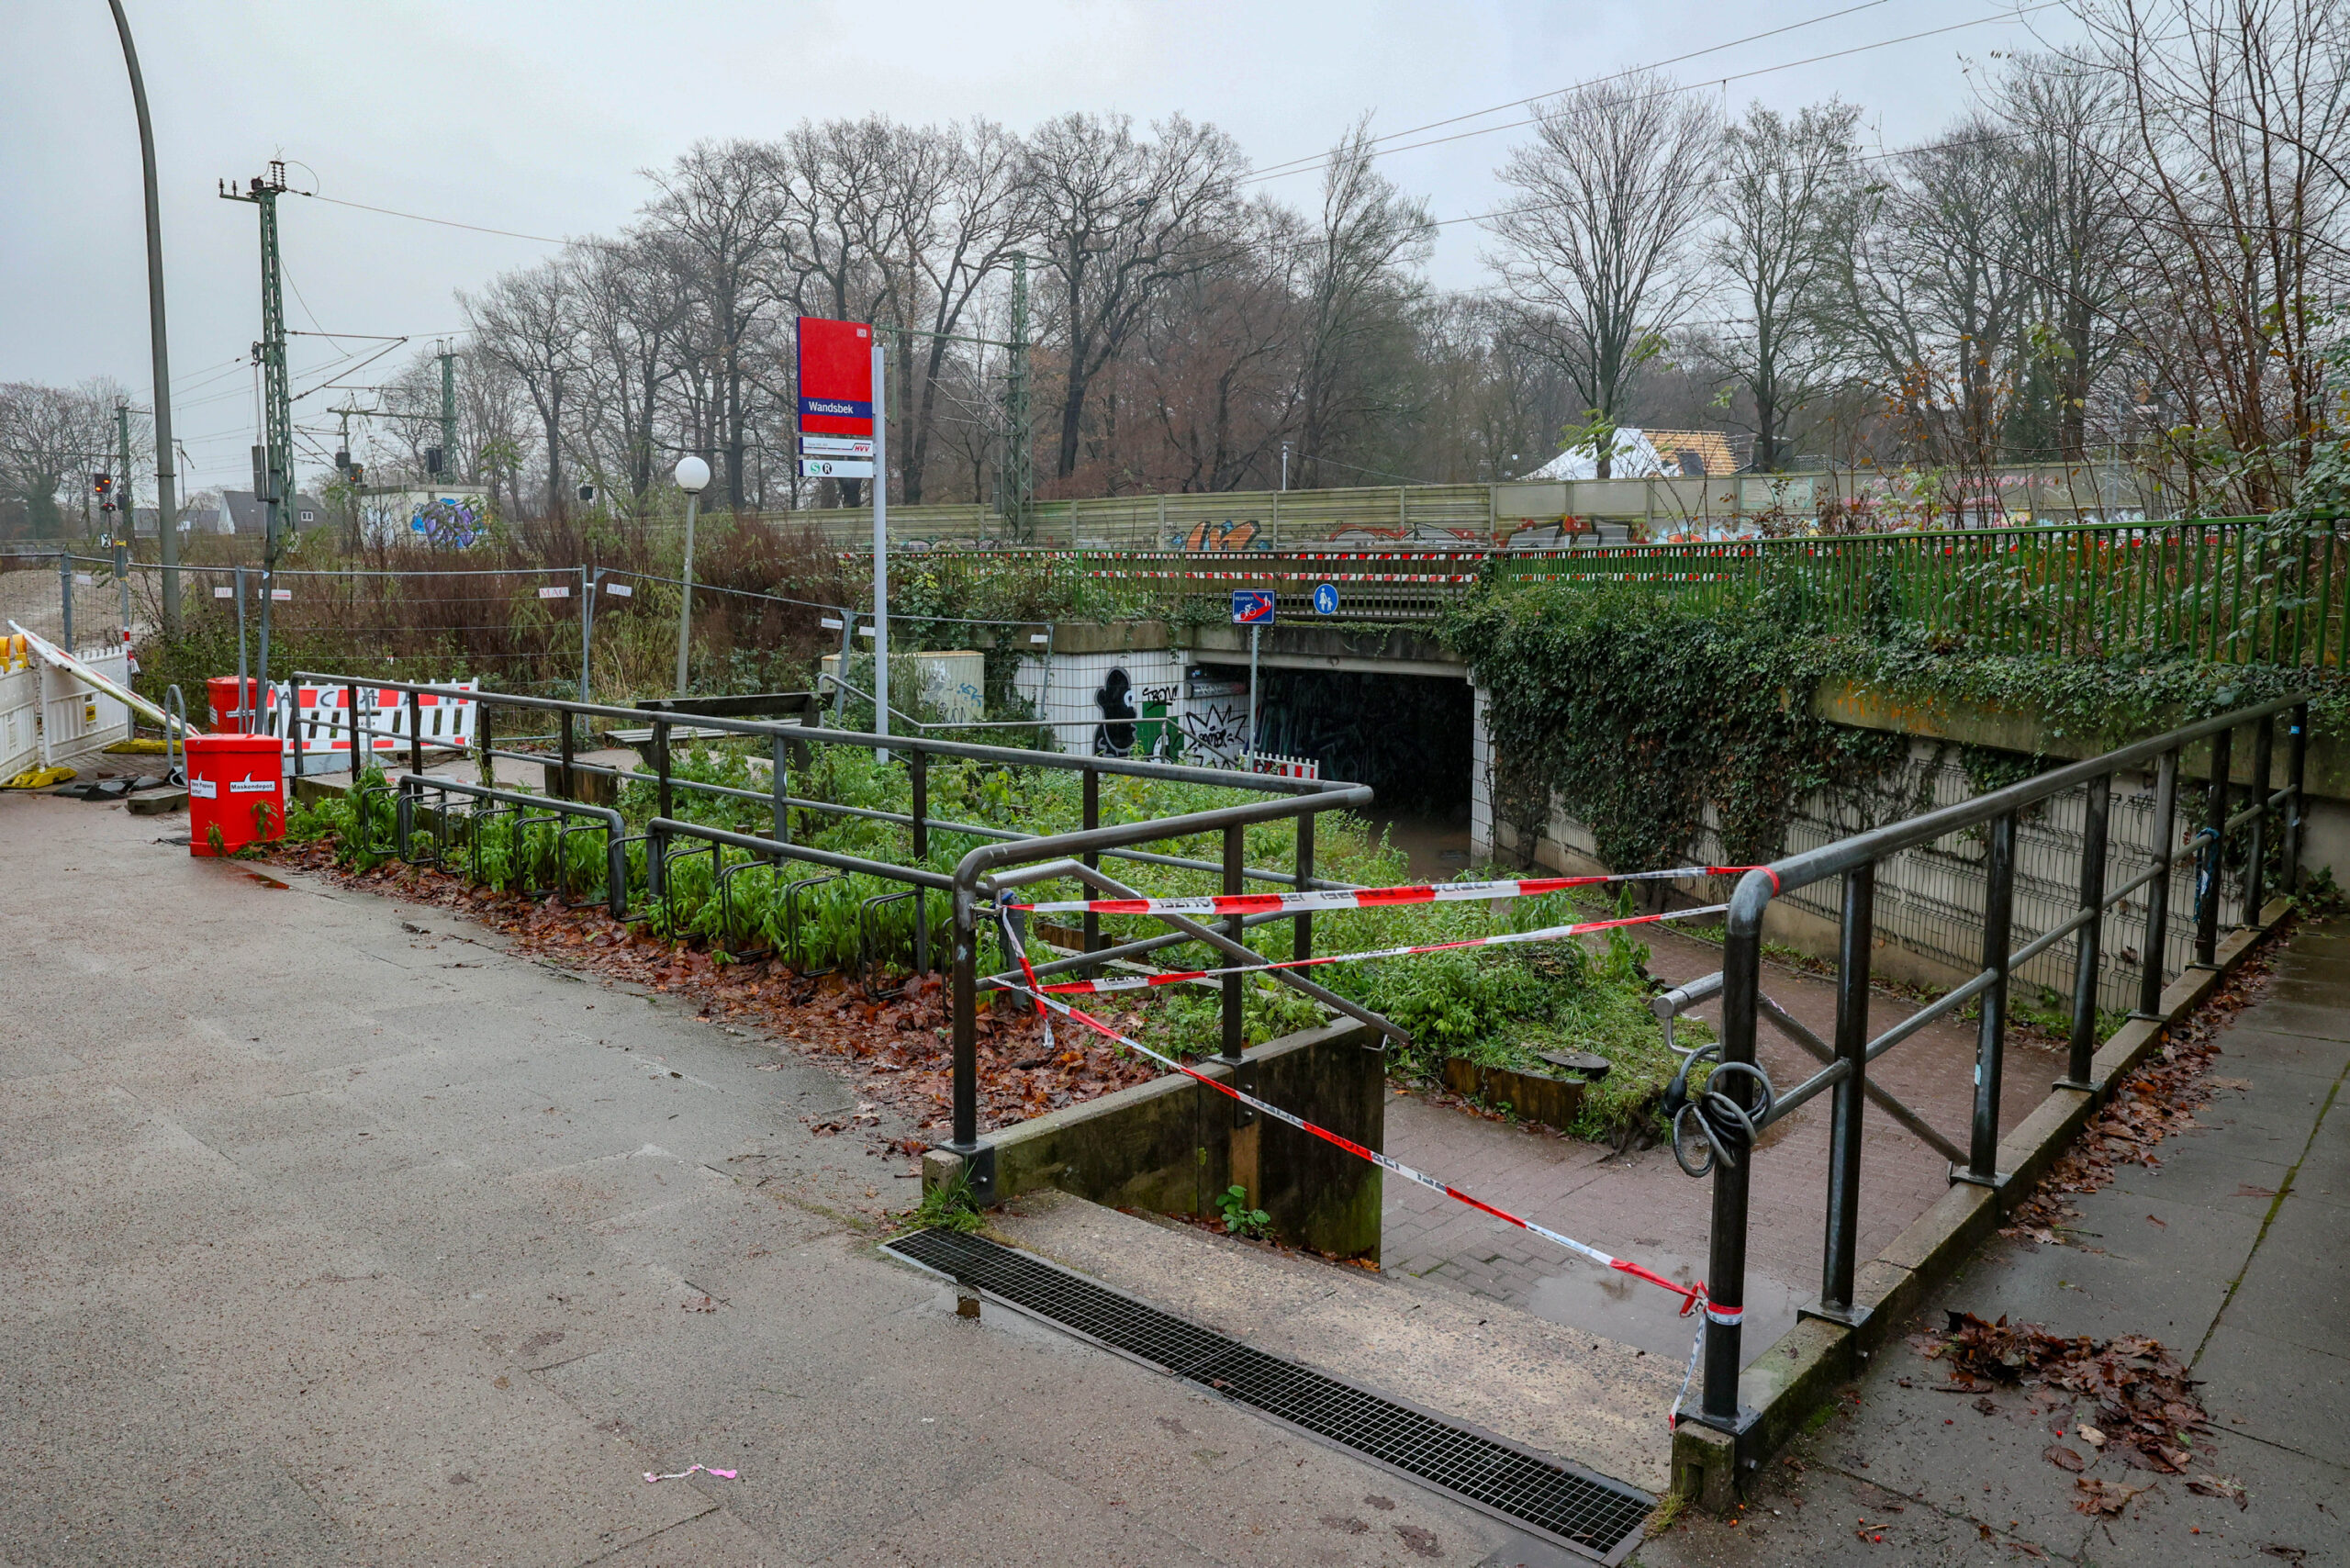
x=1572 y=1507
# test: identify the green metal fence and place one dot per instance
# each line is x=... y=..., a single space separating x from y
x=2237 y=590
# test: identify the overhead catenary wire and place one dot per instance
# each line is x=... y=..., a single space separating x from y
x=1311 y=161
x=1713 y=84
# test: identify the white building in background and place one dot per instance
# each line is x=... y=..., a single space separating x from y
x=1651 y=453
x=239 y=514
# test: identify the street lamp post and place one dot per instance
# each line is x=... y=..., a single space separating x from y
x=167 y=538
x=693 y=475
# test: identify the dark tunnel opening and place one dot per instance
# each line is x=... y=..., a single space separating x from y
x=1408 y=736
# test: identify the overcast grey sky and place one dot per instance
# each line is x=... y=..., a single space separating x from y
x=538 y=116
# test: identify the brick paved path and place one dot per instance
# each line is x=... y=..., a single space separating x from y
x=1641 y=1206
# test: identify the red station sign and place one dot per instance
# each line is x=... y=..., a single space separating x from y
x=835 y=378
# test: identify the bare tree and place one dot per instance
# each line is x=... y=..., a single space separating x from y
x=1936 y=288
x=1782 y=204
x=2233 y=180
x=1360 y=294
x=51 y=438
x=1610 y=192
x=636 y=301
x=1217 y=365
x=1120 y=219
x=976 y=216
x=527 y=322
x=2065 y=123
x=720 y=206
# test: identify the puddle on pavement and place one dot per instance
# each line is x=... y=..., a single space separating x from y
x=266 y=881
x=1633 y=1311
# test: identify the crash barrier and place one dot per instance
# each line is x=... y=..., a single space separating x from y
x=1718 y=1127
x=1284 y=767
x=316 y=720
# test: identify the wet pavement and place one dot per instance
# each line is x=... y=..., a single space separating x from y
x=1639 y=1205
x=2234 y=1252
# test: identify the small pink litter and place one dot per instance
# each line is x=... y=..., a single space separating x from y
x=680 y=1476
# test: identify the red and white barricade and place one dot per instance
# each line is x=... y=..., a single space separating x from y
x=317 y=718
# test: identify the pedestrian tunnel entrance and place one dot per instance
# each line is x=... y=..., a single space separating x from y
x=1408 y=736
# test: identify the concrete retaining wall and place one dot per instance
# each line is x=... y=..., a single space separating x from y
x=1929 y=901
x=1170 y=1145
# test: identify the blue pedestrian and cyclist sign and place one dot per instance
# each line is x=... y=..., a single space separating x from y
x=1252 y=607
x=1325 y=599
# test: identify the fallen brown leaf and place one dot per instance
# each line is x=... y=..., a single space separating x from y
x=2064 y=1457
x=2226 y=1486
x=2104 y=1499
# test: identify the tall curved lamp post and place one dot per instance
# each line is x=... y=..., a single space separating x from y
x=167 y=537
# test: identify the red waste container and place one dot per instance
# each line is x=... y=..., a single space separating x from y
x=236 y=792
x=229 y=714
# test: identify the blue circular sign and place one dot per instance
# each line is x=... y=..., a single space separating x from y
x=1325 y=599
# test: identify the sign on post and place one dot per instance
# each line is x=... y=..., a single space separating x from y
x=1325 y=599
x=1252 y=607
x=836 y=468
x=836 y=378
x=836 y=446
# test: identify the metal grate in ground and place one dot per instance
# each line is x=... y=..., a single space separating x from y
x=1574 y=1508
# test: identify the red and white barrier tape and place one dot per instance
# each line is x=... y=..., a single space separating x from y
x=1365 y=898
x=1692 y=1295
x=1176 y=977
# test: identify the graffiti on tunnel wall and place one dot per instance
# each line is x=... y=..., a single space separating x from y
x=1133 y=719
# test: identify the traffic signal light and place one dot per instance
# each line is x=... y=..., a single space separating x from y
x=103 y=484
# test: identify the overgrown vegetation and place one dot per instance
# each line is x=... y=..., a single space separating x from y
x=1498 y=1005
x=1647 y=715
x=1644 y=713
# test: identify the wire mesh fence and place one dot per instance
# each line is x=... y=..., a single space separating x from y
x=589 y=631
x=2237 y=590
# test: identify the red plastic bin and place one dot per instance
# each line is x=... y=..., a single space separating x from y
x=220 y=691
x=228 y=777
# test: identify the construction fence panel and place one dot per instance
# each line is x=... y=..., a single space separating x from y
x=77 y=719
x=19 y=720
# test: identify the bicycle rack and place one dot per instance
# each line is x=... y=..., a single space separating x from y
x=796 y=957
x=867 y=959
x=726 y=909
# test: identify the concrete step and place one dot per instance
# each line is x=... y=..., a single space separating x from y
x=1560 y=1391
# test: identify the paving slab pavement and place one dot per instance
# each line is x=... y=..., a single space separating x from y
x=1639 y=1205
x=2234 y=1253
x=335 y=1233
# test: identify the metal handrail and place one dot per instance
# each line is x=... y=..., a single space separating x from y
x=1854 y=860
x=1011 y=756
x=1078 y=848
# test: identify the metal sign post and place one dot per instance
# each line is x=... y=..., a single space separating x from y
x=1252 y=608
x=844 y=434
x=880 y=553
